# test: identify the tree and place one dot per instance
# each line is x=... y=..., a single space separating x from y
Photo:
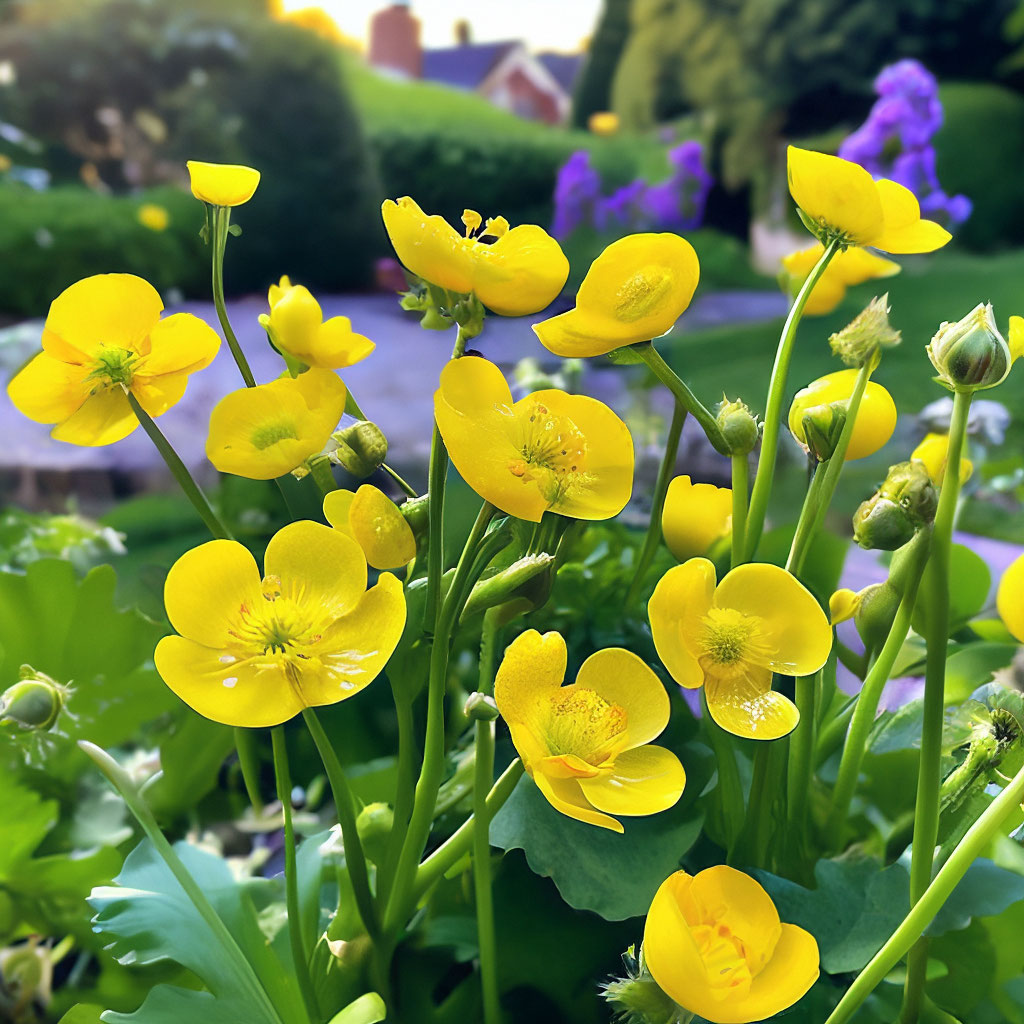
x=594 y=86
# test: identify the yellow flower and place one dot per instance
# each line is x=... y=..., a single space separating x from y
x=843 y=605
x=520 y=272
x=603 y=122
x=104 y=336
x=549 y=451
x=154 y=217
x=255 y=653
x=297 y=326
x=271 y=429
x=694 y=517
x=222 y=184
x=730 y=639
x=634 y=291
x=933 y=451
x=588 y=746
x=375 y=523
x=876 y=417
x=1010 y=598
x=714 y=943
x=844 y=201
x=847 y=268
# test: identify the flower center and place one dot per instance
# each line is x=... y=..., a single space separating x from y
x=729 y=639
x=267 y=434
x=641 y=294
x=724 y=956
x=552 y=450
x=113 y=367
x=584 y=724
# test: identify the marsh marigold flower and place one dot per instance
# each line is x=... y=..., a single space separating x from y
x=846 y=269
x=102 y=338
x=375 y=523
x=271 y=429
x=843 y=201
x=714 y=943
x=634 y=291
x=933 y=451
x=222 y=184
x=550 y=451
x=521 y=271
x=876 y=417
x=154 y=217
x=296 y=325
x=1010 y=598
x=255 y=652
x=587 y=746
x=730 y=638
x=694 y=517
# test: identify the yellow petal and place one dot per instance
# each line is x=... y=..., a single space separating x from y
x=522 y=272
x=843 y=605
x=903 y=230
x=747 y=706
x=1010 y=598
x=336 y=345
x=933 y=451
x=1015 y=338
x=694 y=517
x=856 y=265
x=532 y=668
x=180 y=343
x=103 y=418
x=48 y=390
x=790 y=973
x=157 y=394
x=429 y=247
x=566 y=796
x=622 y=678
x=222 y=184
x=679 y=602
x=644 y=780
x=835 y=193
x=336 y=509
x=380 y=529
x=793 y=626
x=277 y=292
x=825 y=296
x=295 y=318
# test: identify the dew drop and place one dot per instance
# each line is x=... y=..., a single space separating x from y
x=347 y=684
x=226 y=659
x=230 y=681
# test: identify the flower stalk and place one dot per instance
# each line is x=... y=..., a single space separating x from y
x=221 y=225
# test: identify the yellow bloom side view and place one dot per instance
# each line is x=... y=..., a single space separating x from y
x=1010 y=598
x=103 y=337
x=848 y=268
x=933 y=451
x=587 y=746
x=254 y=652
x=549 y=451
x=634 y=291
x=694 y=517
x=714 y=943
x=730 y=638
x=375 y=523
x=271 y=429
x=222 y=184
x=520 y=272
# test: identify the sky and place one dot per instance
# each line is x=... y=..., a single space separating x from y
x=542 y=24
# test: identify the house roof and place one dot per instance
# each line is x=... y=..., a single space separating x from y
x=564 y=67
x=465 y=67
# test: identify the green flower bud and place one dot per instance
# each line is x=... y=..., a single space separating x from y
x=529 y=577
x=739 y=427
x=35 y=702
x=480 y=707
x=971 y=354
x=865 y=334
x=362 y=447
x=904 y=503
x=822 y=427
x=417 y=515
x=374 y=826
x=638 y=999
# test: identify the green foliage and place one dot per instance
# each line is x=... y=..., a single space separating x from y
x=594 y=86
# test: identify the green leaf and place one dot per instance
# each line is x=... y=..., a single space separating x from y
x=595 y=869
x=973 y=665
x=985 y=891
x=190 y=761
x=972 y=581
x=82 y=1014
x=368 y=1009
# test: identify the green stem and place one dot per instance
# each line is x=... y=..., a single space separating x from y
x=178 y=470
x=345 y=808
x=765 y=475
x=403 y=793
x=410 y=491
x=300 y=955
x=653 y=536
x=248 y=761
x=729 y=790
x=801 y=751
x=929 y=778
x=740 y=486
x=989 y=824
x=808 y=509
x=219 y=241
x=751 y=843
x=323 y=476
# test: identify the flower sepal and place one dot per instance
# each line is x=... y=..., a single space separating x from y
x=906 y=502
x=525 y=584
x=638 y=999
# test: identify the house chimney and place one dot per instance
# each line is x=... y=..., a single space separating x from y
x=463 y=33
x=395 y=41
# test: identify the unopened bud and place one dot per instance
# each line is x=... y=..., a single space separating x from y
x=822 y=428
x=530 y=576
x=739 y=427
x=362 y=447
x=374 y=826
x=904 y=503
x=480 y=707
x=35 y=702
x=865 y=334
x=843 y=605
x=971 y=354
x=638 y=998
x=417 y=515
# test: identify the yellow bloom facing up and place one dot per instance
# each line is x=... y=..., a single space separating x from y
x=845 y=202
x=933 y=451
x=876 y=417
x=848 y=268
x=222 y=184
x=154 y=217
x=520 y=272
x=269 y=430
x=1010 y=598
x=587 y=746
x=714 y=943
x=730 y=638
x=549 y=451
x=103 y=336
x=375 y=523
x=297 y=326
x=255 y=652
x=694 y=517
x=634 y=291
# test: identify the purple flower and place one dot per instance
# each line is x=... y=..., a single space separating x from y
x=577 y=192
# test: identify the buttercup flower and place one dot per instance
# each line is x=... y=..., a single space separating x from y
x=714 y=943
x=297 y=326
x=222 y=184
x=549 y=451
x=876 y=417
x=255 y=652
x=154 y=217
x=730 y=638
x=1010 y=598
x=843 y=201
x=603 y=122
x=520 y=272
x=694 y=517
x=271 y=429
x=634 y=291
x=374 y=522
x=933 y=451
x=104 y=336
x=587 y=746
x=846 y=269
